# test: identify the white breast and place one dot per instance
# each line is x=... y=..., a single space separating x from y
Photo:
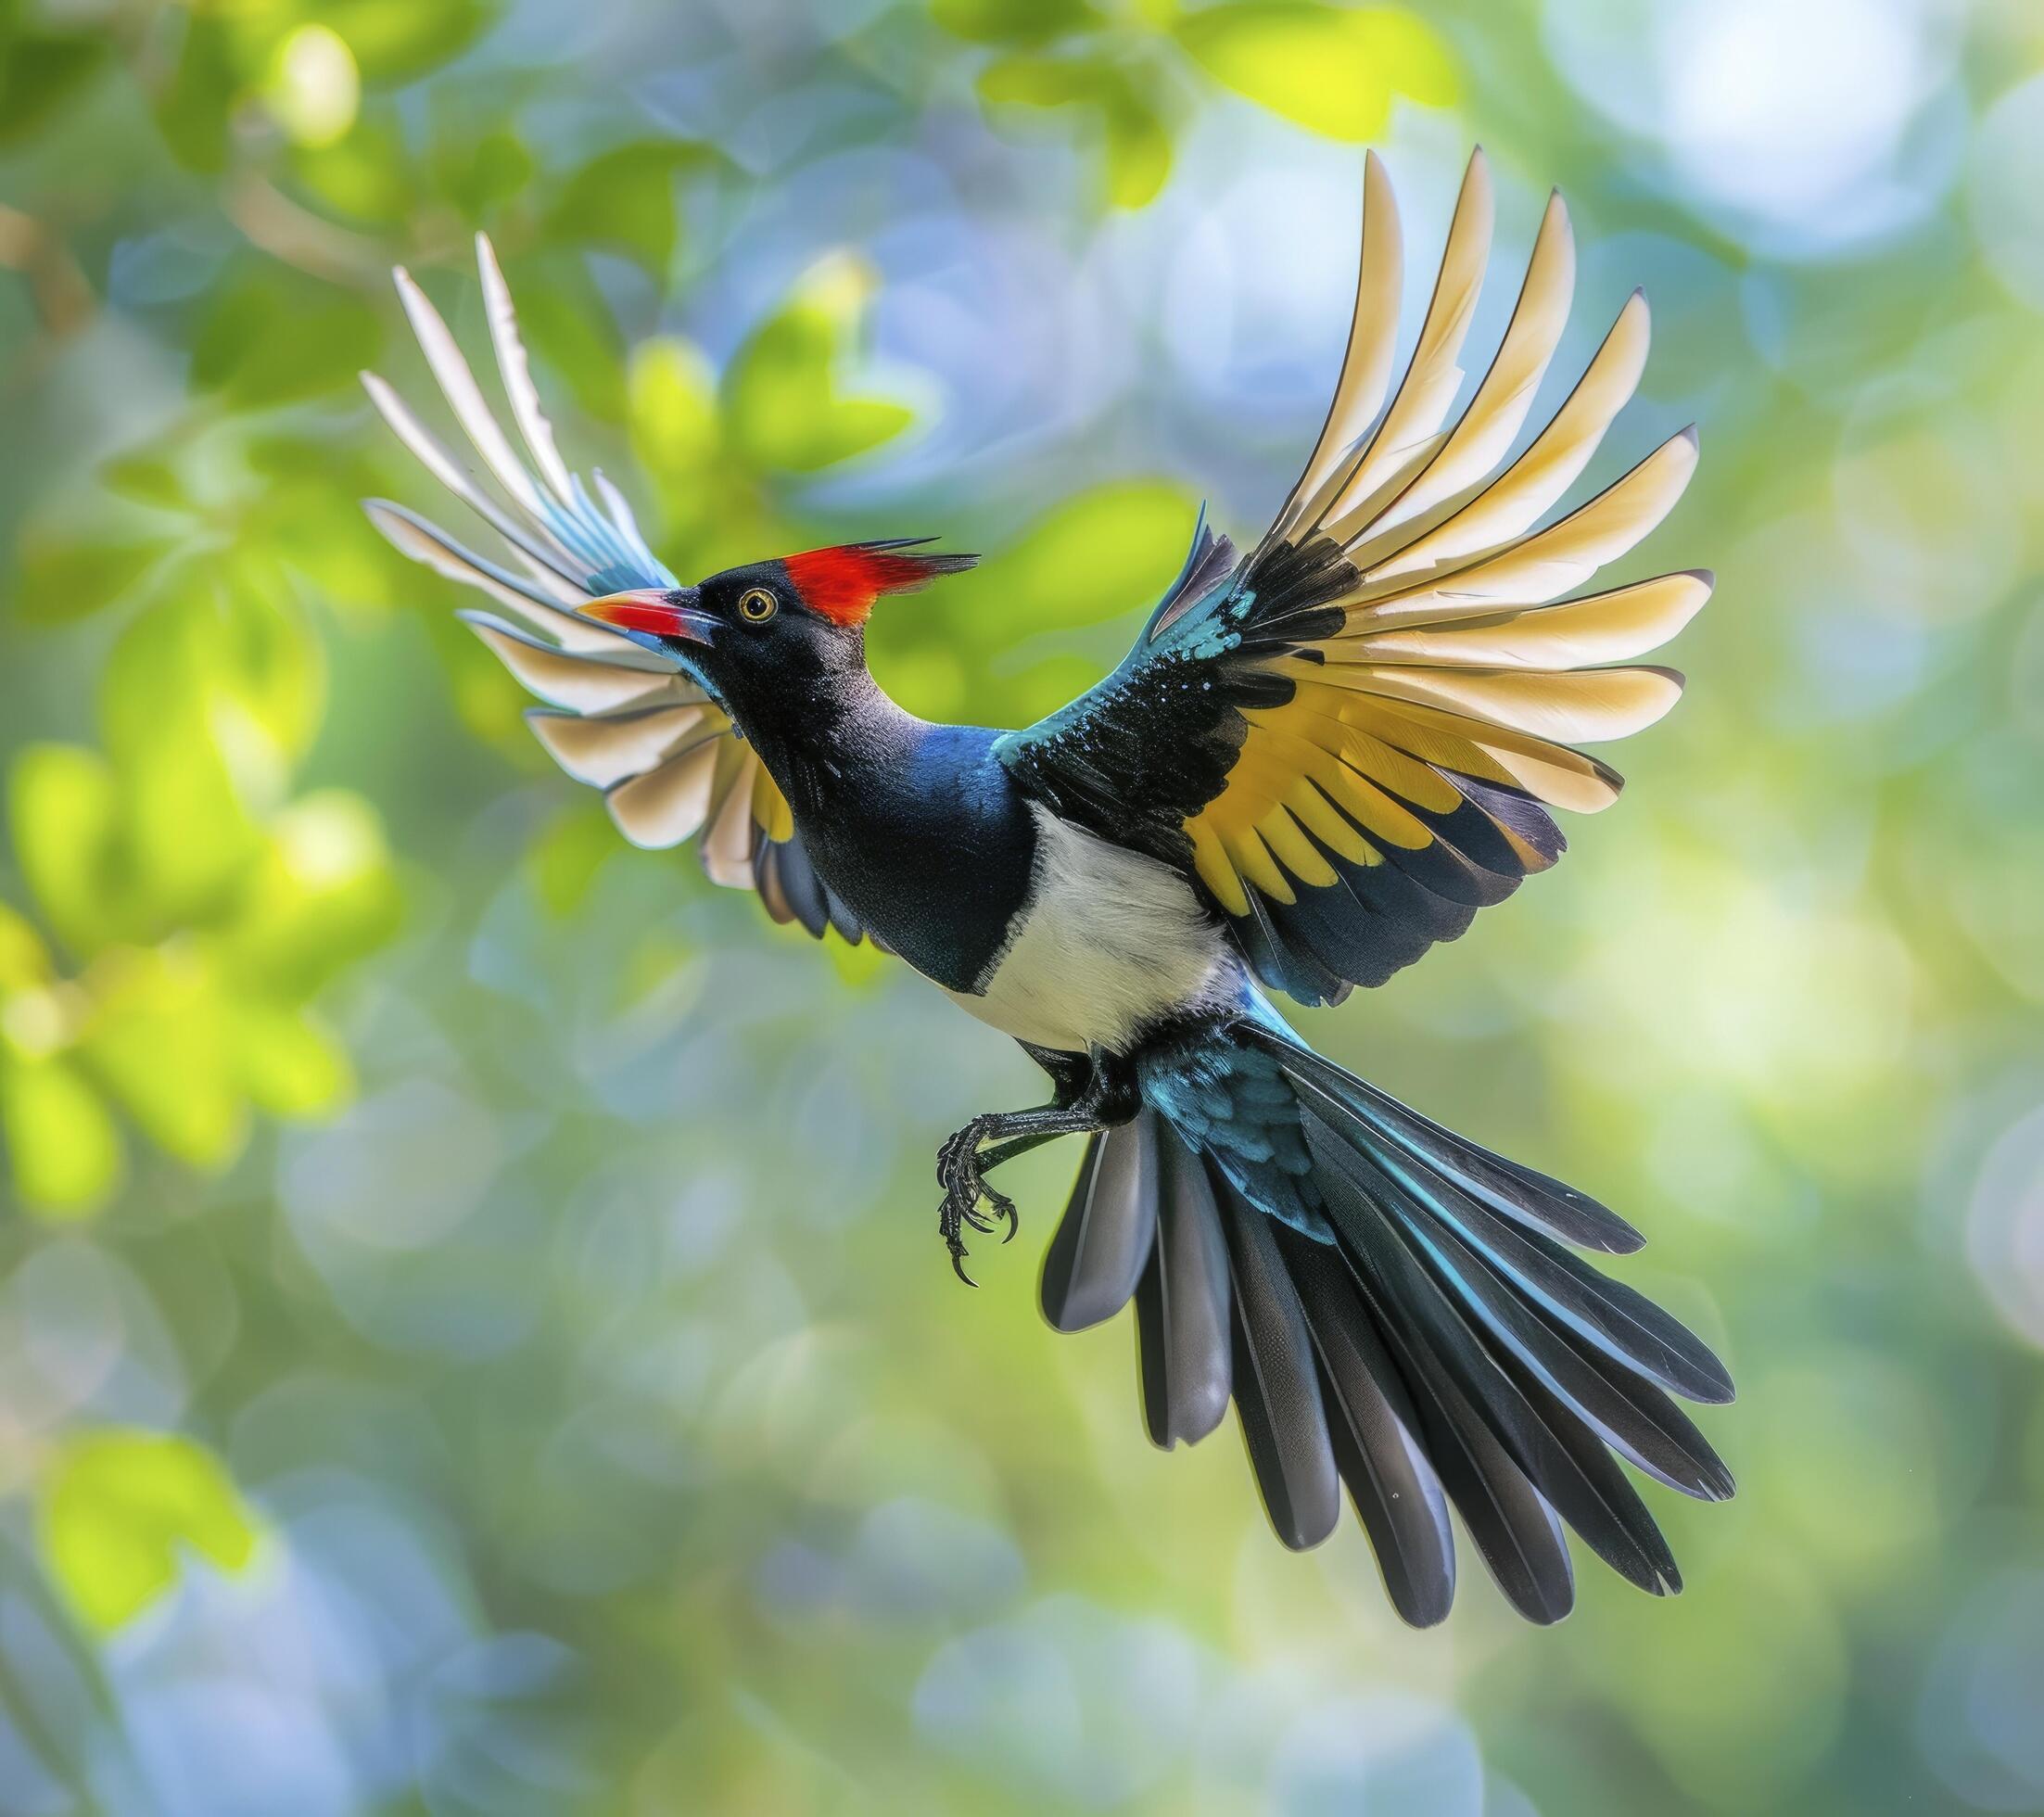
x=1108 y=941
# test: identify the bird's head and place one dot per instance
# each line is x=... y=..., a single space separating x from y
x=770 y=630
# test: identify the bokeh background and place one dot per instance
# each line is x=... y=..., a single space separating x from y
x=472 y=1334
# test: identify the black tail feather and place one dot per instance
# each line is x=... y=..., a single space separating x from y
x=1424 y=1338
x=1108 y=1227
x=1515 y=1531
x=1375 y=1431
x=1626 y=1324
x=1184 y=1336
x=1570 y=1466
x=1633 y=1415
x=1519 y=1192
x=1276 y=1381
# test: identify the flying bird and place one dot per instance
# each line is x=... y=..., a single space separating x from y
x=1320 y=757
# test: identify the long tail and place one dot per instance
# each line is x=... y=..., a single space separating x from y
x=1391 y=1308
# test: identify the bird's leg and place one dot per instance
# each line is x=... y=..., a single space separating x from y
x=1090 y=1092
x=961 y=1168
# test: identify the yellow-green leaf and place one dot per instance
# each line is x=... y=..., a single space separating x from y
x=24 y=961
x=781 y=391
x=322 y=894
x=272 y=339
x=68 y=576
x=672 y=395
x=1328 y=70
x=1105 y=552
x=40 y=74
x=1014 y=21
x=64 y=805
x=161 y=1039
x=288 y=1063
x=565 y=859
x=118 y=1507
x=395 y=40
x=1039 y=81
x=1138 y=148
x=624 y=199
x=62 y=1148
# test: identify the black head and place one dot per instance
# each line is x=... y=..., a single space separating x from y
x=773 y=629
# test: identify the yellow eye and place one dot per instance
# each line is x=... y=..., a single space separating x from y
x=756 y=606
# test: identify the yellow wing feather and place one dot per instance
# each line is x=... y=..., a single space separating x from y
x=1449 y=682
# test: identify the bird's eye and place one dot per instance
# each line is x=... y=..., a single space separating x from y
x=756 y=606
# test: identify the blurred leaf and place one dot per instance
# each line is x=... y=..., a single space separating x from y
x=1329 y=71
x=1014 y=21
x=481 y=173
x=1138 y=148
x=64 y=807
x=322 y=896
x=118 y=1506
x=313 y=525
x=147 y=478
x=207 y=699
x=675 y=430
x=624 y=199
x=62 y=1147
x=160 y=1039
x=188 y=835
x=565 y=859
x=39 y=73
x=73 y=574
x=567 y=325
x=289 y=1065
x=395 y=40
x=274 y=338
x=24 y=961
x=1042 y=688
x=1134 y=141
x=1098 y=554
x=781 y=390
x=233 y=660
x=193 y=109
x=367 y=174
x=1039 y=81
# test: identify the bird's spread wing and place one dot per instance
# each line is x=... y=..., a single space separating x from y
x=618 y=715
x=1353 y=737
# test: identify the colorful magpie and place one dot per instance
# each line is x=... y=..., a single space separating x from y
x=1318 y=759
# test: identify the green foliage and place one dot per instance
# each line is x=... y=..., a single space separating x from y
x=1333 y=69
x=1134 y=139
x=66 y=576
x=40 y=74
x=1095 y=556
x=118 y=1509
x=393 y=41
x=625 y=200
x=275 y=339
x=1328 y=69
x=1014 y=21
x=783 y=392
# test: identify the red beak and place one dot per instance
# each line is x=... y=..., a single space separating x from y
x=671 y=613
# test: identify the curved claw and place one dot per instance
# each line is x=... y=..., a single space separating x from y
x=958 y=1268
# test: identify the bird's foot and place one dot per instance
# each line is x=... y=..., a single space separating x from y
x=960 y=1176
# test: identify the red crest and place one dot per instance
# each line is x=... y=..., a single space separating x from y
x=843 y=581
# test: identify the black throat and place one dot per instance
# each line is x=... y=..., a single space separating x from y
x=915 y=825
